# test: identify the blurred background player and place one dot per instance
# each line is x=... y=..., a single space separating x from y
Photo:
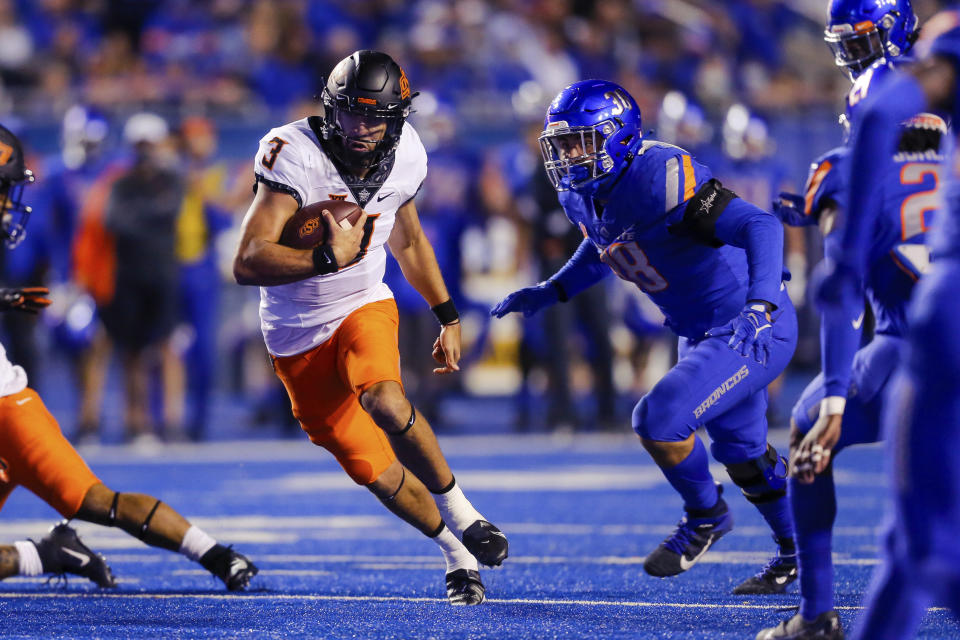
x=70 y=208
x=204 y=214
x=919 y=563
x=330 y=323
x=714 y=265
x=845 y=404
x=142 y=212
x=34 y=453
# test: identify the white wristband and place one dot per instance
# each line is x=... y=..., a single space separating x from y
x=832 y=406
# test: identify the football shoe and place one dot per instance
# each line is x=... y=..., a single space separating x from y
x=235 y=569
x=825 y=627
x=464 y=587
x=61 y=551
x=691 y=539
x=486 y=542
x=774 y=577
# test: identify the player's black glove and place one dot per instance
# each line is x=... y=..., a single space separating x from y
x=29 y=299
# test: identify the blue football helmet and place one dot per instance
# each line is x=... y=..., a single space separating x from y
x=600 y=119
x=860 y=32
x=13 y=177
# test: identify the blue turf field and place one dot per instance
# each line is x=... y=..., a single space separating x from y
x=580 y=513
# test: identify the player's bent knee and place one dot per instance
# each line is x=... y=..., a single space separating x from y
x=763 y=479
x=652 y=422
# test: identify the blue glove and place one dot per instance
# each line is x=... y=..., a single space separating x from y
x=528 y=301
x=749 y=332
x=789 y=207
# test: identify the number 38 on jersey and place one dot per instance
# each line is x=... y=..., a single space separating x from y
x=630 y=263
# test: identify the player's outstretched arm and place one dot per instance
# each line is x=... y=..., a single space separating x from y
x=410 y=246
x=260 y=260
x=583 y=270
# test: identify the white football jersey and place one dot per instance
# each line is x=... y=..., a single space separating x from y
x=13 y=379
x=298 y=316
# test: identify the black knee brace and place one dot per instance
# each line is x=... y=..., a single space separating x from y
x=413 y=418
x=144 y=526
x=762 y=479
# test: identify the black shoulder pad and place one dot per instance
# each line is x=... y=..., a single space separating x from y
x=701 y=213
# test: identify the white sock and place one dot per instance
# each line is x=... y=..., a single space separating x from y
x=30 y=564
x=456 y=510
x=454 y=552
x=196 y=542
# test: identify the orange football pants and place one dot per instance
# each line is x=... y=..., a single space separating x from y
x=34 y=454
x=325 y=385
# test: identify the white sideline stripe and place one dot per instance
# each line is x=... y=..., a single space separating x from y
x=263 y=529
x=434 y=561
x=332 y=598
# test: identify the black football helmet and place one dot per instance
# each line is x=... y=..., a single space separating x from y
x=371 y=85
x=14 y=176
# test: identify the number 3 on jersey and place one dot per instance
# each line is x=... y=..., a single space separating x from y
x=630 y=263
x=270 y=157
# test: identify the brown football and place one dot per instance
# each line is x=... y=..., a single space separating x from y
x=305 y=229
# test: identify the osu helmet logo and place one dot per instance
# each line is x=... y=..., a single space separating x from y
x=309 y=226
x=4 y=467
x=404 y=86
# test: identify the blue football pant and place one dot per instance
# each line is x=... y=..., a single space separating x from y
x=715 y=387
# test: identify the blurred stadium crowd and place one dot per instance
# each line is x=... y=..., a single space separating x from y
x=136 y=261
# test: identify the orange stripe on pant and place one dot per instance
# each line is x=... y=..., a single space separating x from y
x=34 y=454
x=325 y=384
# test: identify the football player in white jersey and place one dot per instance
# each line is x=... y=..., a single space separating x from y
x=34 y=454
x=329 y=321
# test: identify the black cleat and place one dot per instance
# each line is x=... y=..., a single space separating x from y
x=233 y=568
x=775 y=577
x=61 y=551
x=464 y=587
x=825 y=627
x=691 y=539
x=487 y=543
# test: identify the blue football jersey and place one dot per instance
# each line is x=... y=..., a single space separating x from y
x=908 y=199
x=697 y=287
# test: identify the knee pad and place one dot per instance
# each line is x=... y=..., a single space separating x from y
x=763 y=479
x=115 y=514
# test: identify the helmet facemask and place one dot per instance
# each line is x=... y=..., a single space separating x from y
x=576 y=158
x=353 y=128
x=856 y=47
x=15 y=213
x=855 y=51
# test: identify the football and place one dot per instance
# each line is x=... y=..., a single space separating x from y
x=305 y=229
